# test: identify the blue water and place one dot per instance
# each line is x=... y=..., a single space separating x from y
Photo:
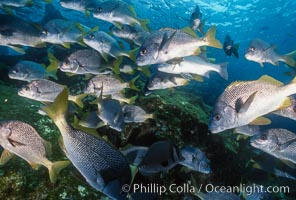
x=273 y=21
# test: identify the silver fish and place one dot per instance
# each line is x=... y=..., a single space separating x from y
x=29 y=71
x=84 y=62
x=110 y=112
x=118 y=13
x=16 y=3
x=103 y=166
x=80 y=5
x=164 y=81
x=289 y=112
x=245 y=102
x=63 y=32
x=20 y=138
x=167 y=44
x=15 y=31
x=261 y=52
x=194 y=159
x=132 y=34
x=193 y=65
x=134 y=113
x=111 y=85
x=280 y=143
x=46 y=91
x=104 y=43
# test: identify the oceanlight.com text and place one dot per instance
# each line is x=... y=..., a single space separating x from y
x=187 y=188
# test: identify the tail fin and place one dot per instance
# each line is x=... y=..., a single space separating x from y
x=144 y=23
x=55 y=169
x=211 y=40
x=116 y=65
x=132 y=54
x=289 y=59
x=77 y=99
x=132 y=84
x=145 y=70
x=223 y=70
x=132 y=100
x=53 y=63
x=57 y=111
x=235 y=50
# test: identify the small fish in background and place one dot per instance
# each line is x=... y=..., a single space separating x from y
x=193 y=65
x=63 y=32
x=15 y=3
x=229 y=47
x=289 y=112
x=245 y=102
x=110 y=112
x=132 y=34
x=155 y=162
x=195 y=20
x=106 y=45
x=103 y=166
x=84 y=6
x=261 y=52
x=248 y=130
x=166 y=44
x=91 y=121
x=85 y=62
x=270 y=164
x=15 y=31
x=46 y=91
x=118 y=13
x=136 y=114
x=112 y=85
x=149 y=161
x=21 y=139
x=194 y=159
x=29 y=71
x=280 y=143
x=163 y=81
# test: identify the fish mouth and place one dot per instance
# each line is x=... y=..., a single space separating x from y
x=215 y=130
x=21 y=92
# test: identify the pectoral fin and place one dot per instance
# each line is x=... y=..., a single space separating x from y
x=5 y=157
x=260 y=121
x=245 y=106
x=34 y=166
x=15 y=143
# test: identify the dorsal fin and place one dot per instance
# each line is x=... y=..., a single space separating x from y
x=234 y=84
x=189 y=31
x=269 y=79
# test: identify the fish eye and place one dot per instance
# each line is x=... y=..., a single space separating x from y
x=91 y=36
x=217 y=117
x=99 y=9
x=252 y=49
x=45 y=31
x=263 y=137
x=14 y=71
x=27 y=88
x=143 y=52
x=67 y=62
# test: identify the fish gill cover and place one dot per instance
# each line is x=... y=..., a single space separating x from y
x=147 y=99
